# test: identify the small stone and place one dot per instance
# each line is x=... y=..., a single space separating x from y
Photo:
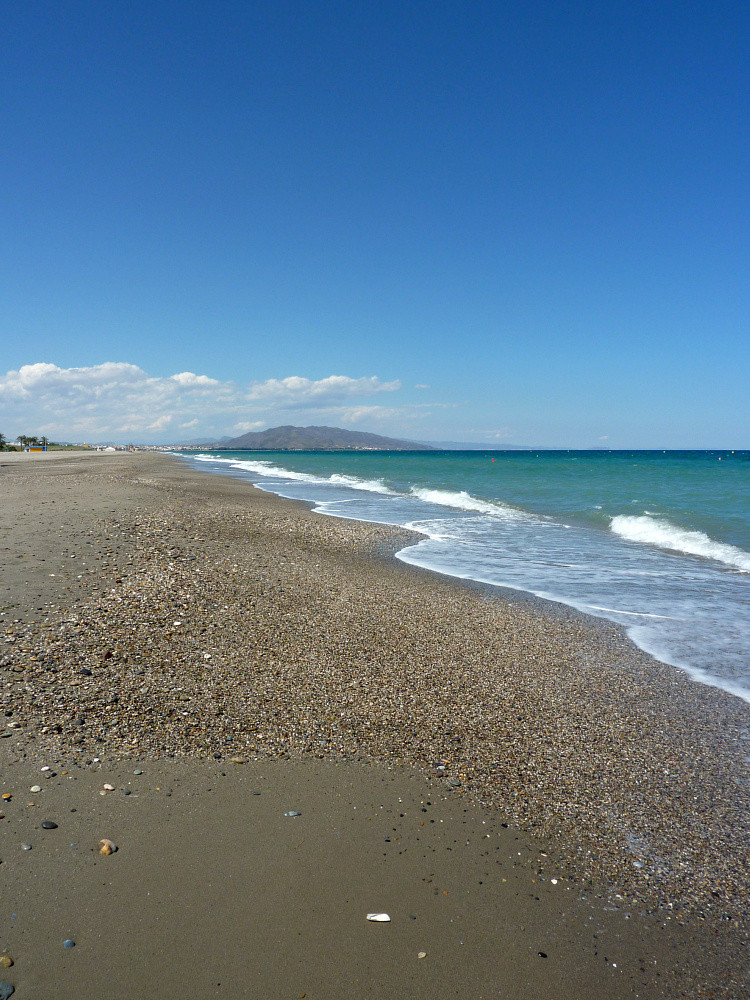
x=6 y=961
x=26 y=847
x=109 y=788
x=107 y=846
x=35 y=788
x=46 y=768
x=126 y=791
x=293 y=812
x=379 y=918
x=422 y=954
x=6 y=990
x=47 y=824
x=7 y=796
x=69 y=943
x=138 y=771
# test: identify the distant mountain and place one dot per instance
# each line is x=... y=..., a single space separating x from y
x=290 y=438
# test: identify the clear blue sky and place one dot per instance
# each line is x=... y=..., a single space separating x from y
x=523 y=222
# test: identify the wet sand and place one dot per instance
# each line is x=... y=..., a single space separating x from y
x=450 y=752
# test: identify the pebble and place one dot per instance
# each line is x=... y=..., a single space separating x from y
x=293 y=812
x=107 y=846
x=138 y=771
x=422 y=954
x=69 y=943
x=109 y=788
x=7 y=796
x=47 y=824
x=26 y=847
x=6 y=961
x=379 y=918
x=6 y=990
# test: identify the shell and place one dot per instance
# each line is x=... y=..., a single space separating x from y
x=379 y=918
x=107 y=846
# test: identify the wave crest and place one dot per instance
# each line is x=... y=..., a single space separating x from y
x=664 y=535
x=464 y=501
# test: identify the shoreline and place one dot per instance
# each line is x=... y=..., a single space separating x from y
x=410 y=555
x=321 y=645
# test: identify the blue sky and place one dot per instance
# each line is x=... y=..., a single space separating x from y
x=524 y=223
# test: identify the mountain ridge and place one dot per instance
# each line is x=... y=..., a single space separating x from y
x=315 y=438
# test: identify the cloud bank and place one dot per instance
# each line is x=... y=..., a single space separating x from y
x=116 y=400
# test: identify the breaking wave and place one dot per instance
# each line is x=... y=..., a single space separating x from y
x=462 y=500
x=664 y=535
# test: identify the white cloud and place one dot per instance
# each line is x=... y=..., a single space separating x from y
x=295 y=391
x=356 y=414
x=161 y=422
x=117 y=399
x=248 y=425
x=188 y=378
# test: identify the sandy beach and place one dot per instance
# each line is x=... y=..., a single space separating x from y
x=542 y=809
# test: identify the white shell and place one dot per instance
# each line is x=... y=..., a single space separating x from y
x=379 y=918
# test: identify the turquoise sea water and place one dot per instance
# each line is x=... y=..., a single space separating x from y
x=658 y=542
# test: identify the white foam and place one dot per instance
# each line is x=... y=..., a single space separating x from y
x=649 y=531
x=265 y=468
x=370 y=485
x=635 y=614
x=462 y=500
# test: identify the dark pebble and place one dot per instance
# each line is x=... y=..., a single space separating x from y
x=126 y=791
x=47 y=824
x=6 y=990
x=85 y=671
x=542 y=954
x=68 y=943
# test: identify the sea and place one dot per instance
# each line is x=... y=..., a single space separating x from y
x=656 y=541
